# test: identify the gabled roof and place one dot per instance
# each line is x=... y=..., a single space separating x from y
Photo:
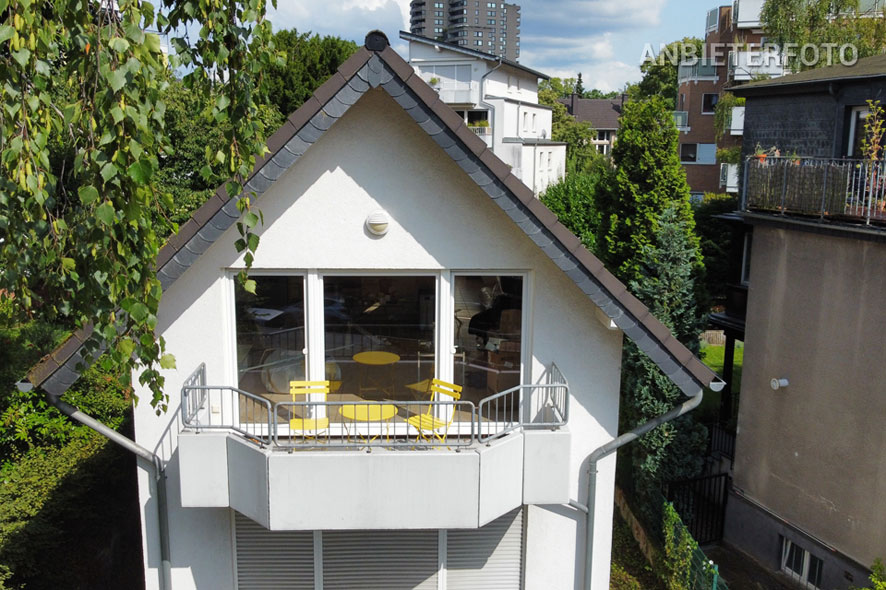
x=376 y=65
x=471 y=52
x=601 y=113
x=865 y=68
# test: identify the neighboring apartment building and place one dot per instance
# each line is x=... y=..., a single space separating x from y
x=396 y=248
x=810 y=464
x=490 y=27
x=498 y=101
x=601 y=113
x=733 y=53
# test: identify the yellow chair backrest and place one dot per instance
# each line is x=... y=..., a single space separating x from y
x=439 y=388
x=308 y=388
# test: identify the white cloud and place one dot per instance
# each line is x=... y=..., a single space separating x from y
x=350 y=19
x=591 y=16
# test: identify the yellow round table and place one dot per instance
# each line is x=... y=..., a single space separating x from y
x=376 y=372
x=376 y=358
x=368 y=412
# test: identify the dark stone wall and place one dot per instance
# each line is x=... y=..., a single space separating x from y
x=813 y=124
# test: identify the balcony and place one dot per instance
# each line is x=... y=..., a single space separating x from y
x=736 y=121
x=288 y=465
x=698 y=69
x=755 y=64
x=484 y=132
x=729 y=177
x=681 y=120
x=852 y=191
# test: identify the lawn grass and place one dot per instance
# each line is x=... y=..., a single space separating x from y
x=713 y=355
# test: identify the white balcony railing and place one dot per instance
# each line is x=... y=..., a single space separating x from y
x=681 y=120
x=756 y=63
x=729 y=177
x=357 y=423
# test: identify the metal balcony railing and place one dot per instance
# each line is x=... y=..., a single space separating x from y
x=359 y=423
x=830 y=189
x=696 y=69
x=681 y=119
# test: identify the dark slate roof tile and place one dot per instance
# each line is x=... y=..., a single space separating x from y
x=209 y=208
x=322 y=121
x=259 y=184
x=285 y=158
x=354 y=63
x=299 y=118
x=359 y=84
x=542 y=213
x=297 y=146
x=348 y=95
x=329 y=88
x=166 y=252
x=496 y=167
x=335 y=108
x=471 y=140
x=311 y=133
x=210 y=233
x=424 y=92
x=397 y=64
x=516 y=186
x=456 y=151
x=280 y=137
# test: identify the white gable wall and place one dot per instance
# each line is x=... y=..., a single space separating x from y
x=376 y=157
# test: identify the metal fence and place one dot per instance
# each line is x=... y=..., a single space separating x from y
x=701 y=503
x=850 y=190
x=387 y=423
x=703 y=573
x=392 y=424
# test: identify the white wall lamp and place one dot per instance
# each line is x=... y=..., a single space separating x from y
x=777 y=384
x=377 y=223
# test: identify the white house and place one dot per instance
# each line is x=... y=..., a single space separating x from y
x=396 y=248
x=498 y=100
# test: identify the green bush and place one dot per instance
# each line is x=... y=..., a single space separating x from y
x=68 y=518
x=619 y=579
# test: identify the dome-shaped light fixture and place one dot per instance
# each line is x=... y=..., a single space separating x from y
x=377 y=223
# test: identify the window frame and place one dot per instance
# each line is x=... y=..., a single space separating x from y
x=315 y=324
x=686 y=160
x=713 y=105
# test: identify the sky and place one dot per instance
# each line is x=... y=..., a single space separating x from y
x=603 y=39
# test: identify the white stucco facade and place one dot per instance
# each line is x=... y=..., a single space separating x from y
x=376 y=158
x=510 y=95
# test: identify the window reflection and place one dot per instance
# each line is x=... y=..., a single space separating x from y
x=270 y=334
x=488 y=318
x=379 y=335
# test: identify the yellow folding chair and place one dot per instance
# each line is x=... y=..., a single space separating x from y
x=308 y=389
x=428 y=424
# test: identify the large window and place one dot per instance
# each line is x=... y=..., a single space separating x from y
x=709 y=103
x=488 y=333
x=270 y=334
x=374 y=337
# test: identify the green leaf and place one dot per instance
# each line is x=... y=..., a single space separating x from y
x=87 y=194
x=253 y=241
x=118 y=44
x=126 y=347
x=22 y=56
x=152 y=43
x=68 y=264
x=116 y=79
x=250 y=219
x=106 y=214
x=108 y=172
x=138 y=311
x=117 y=114
x=167 y=361
x=6 y=32
x=249 y=286
x=140 y=171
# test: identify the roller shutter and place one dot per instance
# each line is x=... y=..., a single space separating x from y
x=490 y=558
x=273 y=560
x=380 y=560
